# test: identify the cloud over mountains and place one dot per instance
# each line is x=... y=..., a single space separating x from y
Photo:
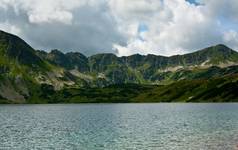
x=163 y=27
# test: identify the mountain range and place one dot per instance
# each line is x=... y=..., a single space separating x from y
x=35 y=76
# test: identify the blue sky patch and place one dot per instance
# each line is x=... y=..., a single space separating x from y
x=195 y=2
x=142 y=28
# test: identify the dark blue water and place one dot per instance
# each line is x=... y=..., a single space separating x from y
x=119 y=126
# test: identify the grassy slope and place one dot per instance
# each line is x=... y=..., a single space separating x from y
x=213 y=90
x=19 y=65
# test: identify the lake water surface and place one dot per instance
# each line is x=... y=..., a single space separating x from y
x=119 y=126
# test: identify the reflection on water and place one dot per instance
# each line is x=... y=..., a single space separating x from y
x=119 y=126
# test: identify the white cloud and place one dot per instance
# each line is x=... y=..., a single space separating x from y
x=60 y=16
x=10 y=28
x=44 y=11
x=222 y=8
x=79 y=25
x=231 y=37
x=164 y=27
x=176 y=27
x=135 y=9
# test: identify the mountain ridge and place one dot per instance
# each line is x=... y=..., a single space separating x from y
x=26 y=74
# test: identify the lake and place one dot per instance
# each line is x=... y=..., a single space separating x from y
x=119 y=126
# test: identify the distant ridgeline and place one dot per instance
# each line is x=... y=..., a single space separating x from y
x=33 y=76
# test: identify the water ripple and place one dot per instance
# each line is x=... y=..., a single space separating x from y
x=119 y=126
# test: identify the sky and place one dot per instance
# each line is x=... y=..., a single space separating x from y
x=123 y=27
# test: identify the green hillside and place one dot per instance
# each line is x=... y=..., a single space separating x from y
x=215 y=90
x=33 y=76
